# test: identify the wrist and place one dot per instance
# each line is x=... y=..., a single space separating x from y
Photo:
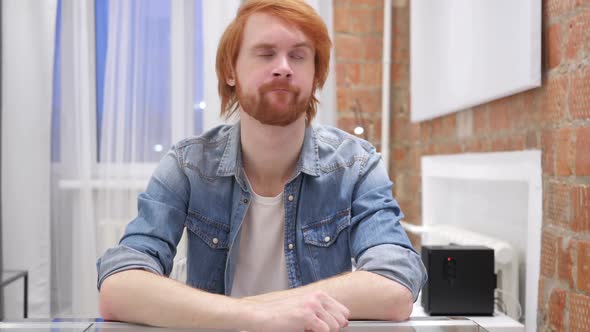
x=246 y=317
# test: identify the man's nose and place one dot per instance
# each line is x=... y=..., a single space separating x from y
x=282 y=68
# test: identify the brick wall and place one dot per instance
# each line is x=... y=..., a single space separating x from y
x=358 y=40
x=554 y=118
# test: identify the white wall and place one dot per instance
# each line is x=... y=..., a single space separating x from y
x=28 y=32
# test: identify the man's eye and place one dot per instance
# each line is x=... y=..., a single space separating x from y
x=297 y=56
x=266 y=54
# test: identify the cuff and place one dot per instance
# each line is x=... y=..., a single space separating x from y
x=395 y=263
x=122 y=258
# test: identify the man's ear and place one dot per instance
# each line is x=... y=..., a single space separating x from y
x=231 y=78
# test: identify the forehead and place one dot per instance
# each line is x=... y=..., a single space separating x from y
x=269 y=29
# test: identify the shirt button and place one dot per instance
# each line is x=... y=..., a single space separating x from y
x=327 y=239
x=245 y=200
x=290 y=246
x=215 y=240
x=290 y=198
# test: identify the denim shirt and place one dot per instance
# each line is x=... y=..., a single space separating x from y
x=338 y=206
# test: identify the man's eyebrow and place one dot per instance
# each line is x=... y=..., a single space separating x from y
x=303 y=44
x=265 y=46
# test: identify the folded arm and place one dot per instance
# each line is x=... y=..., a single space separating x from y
x=367 y=295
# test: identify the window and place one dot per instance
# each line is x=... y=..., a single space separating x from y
x=133 y=80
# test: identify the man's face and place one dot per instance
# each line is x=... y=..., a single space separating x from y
x=274 y=71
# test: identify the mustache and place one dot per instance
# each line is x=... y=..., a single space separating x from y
x=278 y=85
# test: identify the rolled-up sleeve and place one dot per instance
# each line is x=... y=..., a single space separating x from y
x=121 y=258
x=378 y=241
x=150 y=240
x=396 y=263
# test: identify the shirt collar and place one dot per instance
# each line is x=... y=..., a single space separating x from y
x=231 y=160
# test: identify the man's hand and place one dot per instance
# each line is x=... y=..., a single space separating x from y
x=315 y=311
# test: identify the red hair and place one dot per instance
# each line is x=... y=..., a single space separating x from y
x=295 y=12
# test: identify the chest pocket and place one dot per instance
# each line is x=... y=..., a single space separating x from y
x=208 y=243
x=326 y=244
x=213 y=233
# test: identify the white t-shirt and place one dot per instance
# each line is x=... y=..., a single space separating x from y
x=261 y=266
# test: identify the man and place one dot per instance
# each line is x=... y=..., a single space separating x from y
x=275 y=208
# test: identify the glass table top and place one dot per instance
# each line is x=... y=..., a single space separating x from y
x=418 y=324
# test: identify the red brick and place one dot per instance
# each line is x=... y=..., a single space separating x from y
x=377 y=146
x=414 y=163
x=438 y=130
x=414 y=182
x=400 y=55
x=553 y=46
x=541 y=291
x=498 y=115
x=400 y=128
x=401 y=22
x=377 y=20
x=428 y=150
x=369 y=100
x=376 y=130
x=476 y=145
x=448 y=148
x=554 y=100
x=519 y=118
x=584 y=266
x=480 y=119
x=533 y=140
x=371 y=74
x=557 y=204
x=341 y=18
x=445 y=127
x=368 y=3
x=565 y=152
x=548 y=147
x=583 y=151
x=341 y=3
x=579 y=312
x=565 y=261
x=342 y=100
x=554 y=8
x=548 y=254
x=399 y=158
x=508 y=143
x=347 y=123
x=578 y=39
x=580 y=94
x=348 y=74
x=501 y=144
x=361 y=20
x=517 y=142
x=557 y=303
x=426 y=131
x=580 y=207
x=414 y=131
x=349 y=48
x=529 y=100
x=373 y=47
x=412 y=211
x=399 y=105
x=399 y=74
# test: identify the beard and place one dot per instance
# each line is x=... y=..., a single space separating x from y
x=272 y=107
